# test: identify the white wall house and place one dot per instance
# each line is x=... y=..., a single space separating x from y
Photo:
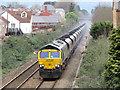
x=19 y=19
x=61 y=11
x=3 y=23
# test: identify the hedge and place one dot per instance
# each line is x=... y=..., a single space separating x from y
x=101 y=28
x=112 y=68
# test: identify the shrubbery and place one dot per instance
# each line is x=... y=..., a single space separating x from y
x=92 y=67
x=71 y=16
x=112 y=72
x=101 y=28
x=17 y=49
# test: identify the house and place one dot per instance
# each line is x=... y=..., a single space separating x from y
x=49 y=8
x=46 y=18
x=19 y=21
x=39 y=22
x=116 y=13
x=60 y=11
x=3 y=24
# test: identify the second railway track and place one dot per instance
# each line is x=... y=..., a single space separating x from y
x=21 y=78
x=46 y=84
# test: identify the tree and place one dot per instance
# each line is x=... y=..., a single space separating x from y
x=78 y=8
x=71 y=16
x=71 y=7
x=92 y=11
x=66 y=6
x=15 y=5
x=112 y=68
x=102 y=13
x=84 y=11
x=49 y=3
x=101 y=28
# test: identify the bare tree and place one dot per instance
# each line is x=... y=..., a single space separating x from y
x=102 y=13
x=15 y=5
x=66 y=5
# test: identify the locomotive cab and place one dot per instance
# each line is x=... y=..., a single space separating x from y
x=49 y=61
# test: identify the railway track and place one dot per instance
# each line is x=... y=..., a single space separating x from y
x=46 y=84
x=20 y=79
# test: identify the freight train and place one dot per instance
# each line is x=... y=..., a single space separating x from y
x=53 y=57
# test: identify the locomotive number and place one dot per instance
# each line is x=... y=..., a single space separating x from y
x=49 y=60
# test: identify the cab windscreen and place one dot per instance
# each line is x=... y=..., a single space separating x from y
x=55 y=55
x=44 y=54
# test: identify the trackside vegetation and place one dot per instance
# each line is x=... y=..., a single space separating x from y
x=101 y=65
x=92 y=67
x=16 y=50
x=112 y=68
x=101 y=28
x=71 y=16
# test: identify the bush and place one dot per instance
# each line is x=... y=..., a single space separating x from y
x=112 y=72
x=101 y=28
x=71 y=16
x=15 y=49
x=92 y=67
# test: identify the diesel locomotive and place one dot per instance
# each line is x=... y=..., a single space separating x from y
x=53 y=57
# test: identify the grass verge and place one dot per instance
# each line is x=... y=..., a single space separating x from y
x=92 y=67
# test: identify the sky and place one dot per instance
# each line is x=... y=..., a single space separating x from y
x=84 y=4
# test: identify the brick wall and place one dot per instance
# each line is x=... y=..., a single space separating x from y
x=116 y=17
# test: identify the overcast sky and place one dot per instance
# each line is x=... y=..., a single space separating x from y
x=86 y=4
x=56 y=0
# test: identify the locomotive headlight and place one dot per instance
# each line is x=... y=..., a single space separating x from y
x=41 y=65
x=57 y=65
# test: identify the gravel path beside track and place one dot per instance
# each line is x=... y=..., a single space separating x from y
x=69 y=74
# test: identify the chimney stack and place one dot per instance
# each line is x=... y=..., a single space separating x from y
x=45 y=8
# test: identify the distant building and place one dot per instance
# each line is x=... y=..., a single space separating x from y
x=39 y=22
x=49 y=8
x=116 y=13
x=19 y=21
x=46 y=18
x=60 y=11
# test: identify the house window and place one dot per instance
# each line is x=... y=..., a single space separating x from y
x=23 y=14
x=12 y=25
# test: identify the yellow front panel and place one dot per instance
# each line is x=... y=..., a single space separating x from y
x=49 y=63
